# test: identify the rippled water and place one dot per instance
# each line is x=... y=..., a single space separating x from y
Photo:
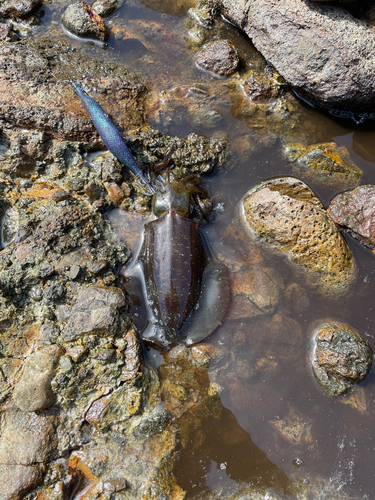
x=243 y=446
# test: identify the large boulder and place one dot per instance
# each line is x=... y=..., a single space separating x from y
x=324 y=52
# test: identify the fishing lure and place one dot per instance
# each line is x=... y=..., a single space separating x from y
x=110 y=134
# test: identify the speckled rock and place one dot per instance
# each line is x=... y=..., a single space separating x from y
x=105 y=7
x=354 y=211
x=19 y=8
x=27 y=438
x=324 y=164
x=342 y=357
x=95 y=311
x=219 y=57
x=84 y=22
x=323 y=51
x=16 y=480
x=33 y=391
x=287 y=215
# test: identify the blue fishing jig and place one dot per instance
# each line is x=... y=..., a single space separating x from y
x=110 y=134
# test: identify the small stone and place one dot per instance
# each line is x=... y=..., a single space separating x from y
x=342 y=357
x=60 y=195
x=95 y=311
x=55 y=292
x=116 y=194
x=92 y=190
x=354 y=211
x=105 y=7
x=97 y=268
x=19 y=8
x=36 y=293
x=296 y=298
x=81 y=20
x=6 y=34
x=62 y=313
x=48 y=333
x=259 y=88
x=207 y=356
x=33 y=390
x=46 y=272
x=219 y=57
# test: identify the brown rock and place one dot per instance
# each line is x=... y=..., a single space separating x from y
x=287 y=215
x=54 y=107
x=354 y=211
x=26 y=438
x=219 y=57
x=33 y=391
x=16 y=480
x=95 y=311
x=116 y=194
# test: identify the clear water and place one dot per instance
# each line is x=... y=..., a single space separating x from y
x=242 y=447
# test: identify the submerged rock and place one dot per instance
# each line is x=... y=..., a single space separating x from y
x=80 y=19
x=324 y=164
x=105 y=7
x=219 y=57
x=354 y=211
x=287 y=215
x=323 y=51
x=342 y=357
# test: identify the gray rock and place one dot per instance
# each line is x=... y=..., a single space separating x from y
x=219 y=57
x=26 y=438
x=96 y=311
x=16 y=480
x=19 y=8
x=342 y=357
x=324 y=52
x=81 y=20
x=33 y=390
x=105 y=7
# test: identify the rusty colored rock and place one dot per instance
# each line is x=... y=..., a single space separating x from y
x=259 y=88
x=287 y=215
x=116 y=194
x=325 y=164
x=33 y=391
x=219 y=57
x=342 y=357
x=354 y=211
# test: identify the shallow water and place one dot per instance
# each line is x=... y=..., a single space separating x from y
x=243 y=446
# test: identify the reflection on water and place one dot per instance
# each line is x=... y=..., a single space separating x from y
x=256 y=417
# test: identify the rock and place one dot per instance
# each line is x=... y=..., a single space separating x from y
x=33 y=390
x=16 y=480
x=219 y=57
x=25 y=65
x=260 y=88
x=324 y=164
x=255 y=292
x=19 y=8
x=295 y=298
x=54 y=292
x=324 y=52
x=84 y=22
x=116 y=194
x=105 y=7
x=6 y=32
x=26 y=438
x=342 y=357
x=95 y=311
x=295 y=429
x=354 y=211
x=286 y=215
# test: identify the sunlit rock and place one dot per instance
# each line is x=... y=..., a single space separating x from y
x=285 y=214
